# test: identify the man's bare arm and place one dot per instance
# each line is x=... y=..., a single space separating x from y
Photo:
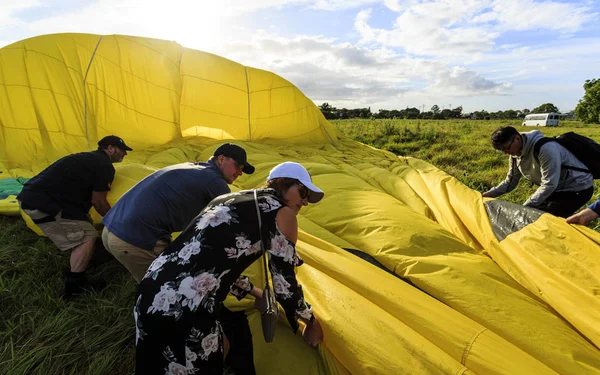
x=99 y=202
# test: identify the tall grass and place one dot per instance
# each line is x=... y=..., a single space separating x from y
x=41 y=334
x=459 y=147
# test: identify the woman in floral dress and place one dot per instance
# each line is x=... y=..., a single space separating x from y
x=179 y=299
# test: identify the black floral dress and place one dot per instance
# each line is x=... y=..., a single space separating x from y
x=179 y=299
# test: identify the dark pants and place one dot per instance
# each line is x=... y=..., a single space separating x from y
x=565 y=203
x=164 y=343
x=240 y=360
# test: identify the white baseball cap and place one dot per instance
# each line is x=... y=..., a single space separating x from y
x=297 y=171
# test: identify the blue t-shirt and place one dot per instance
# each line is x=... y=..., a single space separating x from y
x=164 y=202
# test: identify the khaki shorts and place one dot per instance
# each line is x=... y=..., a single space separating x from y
x=65 y=233
x=135 y=259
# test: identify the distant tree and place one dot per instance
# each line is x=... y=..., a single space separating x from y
x=383 y=113
x=496 y=115
x=457 y=112
x=446 y=113
x=411 y=113
x=394 y=113
x=328 y=111
x=510 y=113
x=365 y=113
x=435 y=109
x=546 y=108
x=481 y=115
x=588 y=108
x=343 y=113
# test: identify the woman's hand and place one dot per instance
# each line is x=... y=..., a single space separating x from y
x=313 y=333
x=257 y=293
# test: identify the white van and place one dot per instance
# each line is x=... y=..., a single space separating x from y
x=541 y=119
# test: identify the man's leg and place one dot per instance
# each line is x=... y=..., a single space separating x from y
x=75 y=235
x=135 y=259
x=81 y=256
x=79 y=237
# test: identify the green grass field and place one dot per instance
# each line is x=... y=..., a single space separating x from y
x=459 y=147
x=40 y=334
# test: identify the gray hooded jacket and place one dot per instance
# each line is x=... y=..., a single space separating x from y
x=548 y=174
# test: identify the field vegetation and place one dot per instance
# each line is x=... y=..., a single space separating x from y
x=459 y=147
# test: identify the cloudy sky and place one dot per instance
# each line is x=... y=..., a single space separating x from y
x=481 y=54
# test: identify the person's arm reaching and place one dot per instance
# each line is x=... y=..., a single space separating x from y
x=103 y=178
x=592 y=212
x=99 y=202
x=282 y=260
x=510 y=182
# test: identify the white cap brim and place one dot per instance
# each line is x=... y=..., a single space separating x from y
x=296 y=171
x=316 y=194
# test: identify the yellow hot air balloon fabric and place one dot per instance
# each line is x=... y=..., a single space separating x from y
x=409 y=271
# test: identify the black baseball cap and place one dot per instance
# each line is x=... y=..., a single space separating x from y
x=237 y=153
x=113 y=140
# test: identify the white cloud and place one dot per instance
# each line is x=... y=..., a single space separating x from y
x=560 y=58
x=393 y=5
x=459 y=81
x=9 y=21
x=8 y=9
x=341 y=4
x=448 y=28
x=200 y=25
x=430 y=29
x=195 y=24
x=344 y=74
x=529 y=15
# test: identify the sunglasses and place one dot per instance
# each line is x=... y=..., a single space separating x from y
x=303 y=191
x=507 y=148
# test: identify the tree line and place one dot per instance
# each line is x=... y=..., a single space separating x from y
x=333 y=113
x=587 y=110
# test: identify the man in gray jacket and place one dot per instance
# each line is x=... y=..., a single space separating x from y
x=561 y=191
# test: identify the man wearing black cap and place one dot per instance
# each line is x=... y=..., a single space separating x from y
x=139 y=226
x=59 y=200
